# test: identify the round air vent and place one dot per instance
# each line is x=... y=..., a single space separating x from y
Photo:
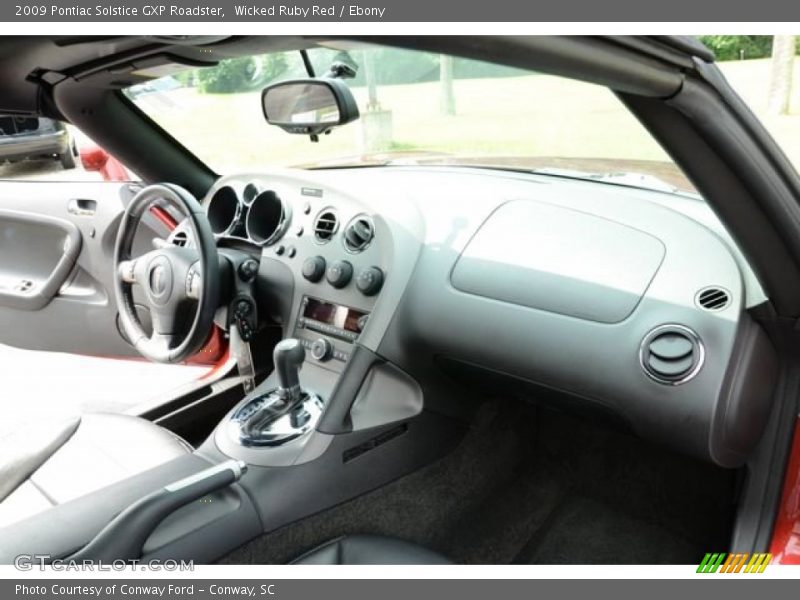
x=325 y=226
x=713 y=298
x=671 y=354
x=180 y=239
x=358 y=234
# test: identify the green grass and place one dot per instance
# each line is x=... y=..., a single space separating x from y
x=534 y=115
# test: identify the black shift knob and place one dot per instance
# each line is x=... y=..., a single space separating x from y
x=288 y=355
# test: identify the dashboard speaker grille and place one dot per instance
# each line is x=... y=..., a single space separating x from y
x=713 y=298
x=325 y=226
x=671 y=354
x=359 y=234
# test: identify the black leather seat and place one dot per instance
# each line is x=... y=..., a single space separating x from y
x=61 y=460
x=370 y=550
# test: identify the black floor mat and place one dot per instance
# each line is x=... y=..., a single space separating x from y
x=585 y=531
x=531 y=486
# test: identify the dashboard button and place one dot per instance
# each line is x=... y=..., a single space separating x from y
x=314 y=268
x=340 y=273
x=248 y=269
x=243 y=308
x=369 y=281
x=321 y=349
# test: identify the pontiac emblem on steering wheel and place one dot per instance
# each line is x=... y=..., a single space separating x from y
x=160 y=280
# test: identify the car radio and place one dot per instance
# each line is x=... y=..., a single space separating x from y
x=328 y=330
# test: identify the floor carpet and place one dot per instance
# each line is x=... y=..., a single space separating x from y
x=533 y=486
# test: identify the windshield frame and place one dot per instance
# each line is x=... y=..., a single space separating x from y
x=306 y=57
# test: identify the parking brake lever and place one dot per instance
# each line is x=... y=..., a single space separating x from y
x=124 y=537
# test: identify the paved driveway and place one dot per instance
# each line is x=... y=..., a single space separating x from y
x=46 y=170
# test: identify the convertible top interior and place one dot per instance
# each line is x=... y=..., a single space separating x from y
x=430 y=308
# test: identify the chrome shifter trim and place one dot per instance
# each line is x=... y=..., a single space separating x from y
x=289 y=394
x=291 y=425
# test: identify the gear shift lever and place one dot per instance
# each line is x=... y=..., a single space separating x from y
x=288 y=356
x=285 y=413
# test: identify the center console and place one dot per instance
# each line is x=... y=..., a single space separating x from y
x=334 y=419
x=325 y=264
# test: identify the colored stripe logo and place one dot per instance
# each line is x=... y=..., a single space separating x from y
x=742 y=562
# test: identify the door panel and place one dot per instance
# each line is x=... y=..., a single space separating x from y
x=37 y=253
x=60 y=236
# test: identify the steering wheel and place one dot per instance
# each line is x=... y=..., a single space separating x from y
x=171 y=277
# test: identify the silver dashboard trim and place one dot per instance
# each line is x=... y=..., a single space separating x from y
x=667 y=327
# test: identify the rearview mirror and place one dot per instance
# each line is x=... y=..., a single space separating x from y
x=309 y=106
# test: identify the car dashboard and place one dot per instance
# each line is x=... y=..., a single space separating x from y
x=617 y=302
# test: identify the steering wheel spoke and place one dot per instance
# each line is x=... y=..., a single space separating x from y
x=127 y=271
x=164 y=342
x=194 y=282
x=163 y=322
x=134 y=270
x=159 y=347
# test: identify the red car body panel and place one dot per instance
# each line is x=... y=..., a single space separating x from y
x=214 y=352
x=95 y=158
x=785 y=546
x=162 y=215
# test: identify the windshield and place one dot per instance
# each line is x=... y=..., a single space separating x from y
x=416 y=108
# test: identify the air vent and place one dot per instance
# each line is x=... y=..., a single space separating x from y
x=671 y=354
x=713 y=298
x=358 y=234
x=180 y=239
x=325 y=226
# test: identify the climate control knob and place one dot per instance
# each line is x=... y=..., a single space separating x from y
x=369 y=281
x=340 y=273
x=322 y=349
x=314 y=268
